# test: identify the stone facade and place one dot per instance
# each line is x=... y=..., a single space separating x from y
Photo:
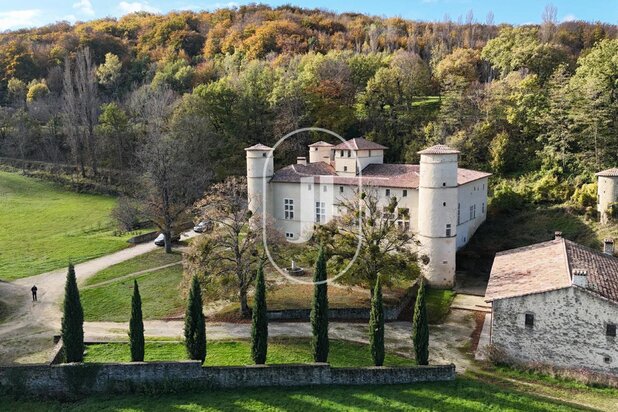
x=607 y=182
x=568 y=331
x=70 y=380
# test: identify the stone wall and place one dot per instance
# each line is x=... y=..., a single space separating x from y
x=569 y=330
x=69 y=380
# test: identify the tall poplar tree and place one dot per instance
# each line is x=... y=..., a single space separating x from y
x=319 y=310
x=195 y=323
x=259 y=329
x=72 y=320
x=136 y=326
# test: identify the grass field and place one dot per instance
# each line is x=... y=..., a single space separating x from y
x=44 y=227
x=232 y=353
x=438 y=304
x=160 y=292
x=463 y=395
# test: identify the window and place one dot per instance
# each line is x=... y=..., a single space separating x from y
x=443 y=203
x=349 y=153
x=386 y=214
x=403 y=218
x=289 y=235
x=483 y=208
x=288 y=209
x=607 y=359
x=345 y=168
x=324 y=188
x=448 y=230
x=610 y=330
x=529 y=320
x=263 y=154
x=471 y=213
x=404 y=193
x=309 y=187
x=320 y=212
x=341 y=153
x=340 y=189
x=388 y=192
x=474 y=211
x=458 y=213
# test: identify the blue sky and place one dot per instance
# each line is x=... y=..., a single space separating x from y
x=15 y=14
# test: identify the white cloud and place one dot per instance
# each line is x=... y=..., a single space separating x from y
x=13 y=19
x=126 y=7
x=70 y=18
x=84 y=6
x=569 y=17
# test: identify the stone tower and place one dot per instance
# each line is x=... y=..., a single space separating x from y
x=607 y=192
x=260 y=168
x=437 y=214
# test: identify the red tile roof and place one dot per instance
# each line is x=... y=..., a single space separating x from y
x=321 y=144
x=387 y=175
x=548 y=266
x=609 y=172
x=359 y=143
x=258 y=147
x=439 y=149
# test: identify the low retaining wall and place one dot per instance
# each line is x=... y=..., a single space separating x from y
x=70 y=380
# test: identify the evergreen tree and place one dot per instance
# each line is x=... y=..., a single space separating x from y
x=72 y=320
x=136 y=326
x=195 y=324
x=319 y=310
x=376 y=325
x=420 y=327
x=259 y=329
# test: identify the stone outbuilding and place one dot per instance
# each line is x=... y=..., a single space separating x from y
x=556 y=303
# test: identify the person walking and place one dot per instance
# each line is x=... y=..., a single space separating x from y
x=34 y=289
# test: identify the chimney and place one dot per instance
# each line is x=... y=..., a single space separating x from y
x=301 y=160
x=580 y=278
x=557 y=235
x=608 y=246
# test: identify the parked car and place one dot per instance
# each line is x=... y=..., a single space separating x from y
x=160 y=240
x=203 y=226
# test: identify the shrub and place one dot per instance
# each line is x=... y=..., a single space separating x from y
x=506 y=199
x=420 y=327
x=195 y=324
x=72 y=320
x=319 y=310
x=259 y=327
x=136 y=326
x=376 y=325
x=585 y=195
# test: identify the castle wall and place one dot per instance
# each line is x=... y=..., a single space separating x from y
x=472 y=209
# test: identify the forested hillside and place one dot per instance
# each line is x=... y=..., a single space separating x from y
x=534 y=104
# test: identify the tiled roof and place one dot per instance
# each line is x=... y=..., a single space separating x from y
x=439 y=149
x=547 y=266
x=259 y=147
x=359 y=143
x=321 y=144
x=609 y=172
x=388 y=175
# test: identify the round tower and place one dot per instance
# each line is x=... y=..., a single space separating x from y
x=607 y=193
x=437 y=214
x=260 y=168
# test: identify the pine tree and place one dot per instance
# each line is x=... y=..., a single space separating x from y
x=136 y=326
x=319 y=310
x=376 y=325
x=420 y=327
x=195 y=324
x=72 y=320
x=259 y=327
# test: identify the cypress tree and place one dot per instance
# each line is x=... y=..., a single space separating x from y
x=259 y=327
x=136 y=326
x=319 y=310
x=420 y=328
x=72 y=320
x=376 y=325
x=195 y=324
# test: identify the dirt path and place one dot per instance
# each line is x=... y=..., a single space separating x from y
x=30 y=327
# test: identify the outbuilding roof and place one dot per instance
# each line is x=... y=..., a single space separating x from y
x=547 y=266
x=439 y=149
x=609 y=172
x=359 y=143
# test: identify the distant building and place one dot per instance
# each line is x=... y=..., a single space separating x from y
x=556 y=303
x=443 y=204
x=607 y=192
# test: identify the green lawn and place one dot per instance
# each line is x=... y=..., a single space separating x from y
x=44 y=226
x=160 y=292
x=438 y=304
x=238 y=352
x=149 y=260
x=463 y=395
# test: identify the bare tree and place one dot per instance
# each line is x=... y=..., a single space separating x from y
x=548 y=26
x=80 y=107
